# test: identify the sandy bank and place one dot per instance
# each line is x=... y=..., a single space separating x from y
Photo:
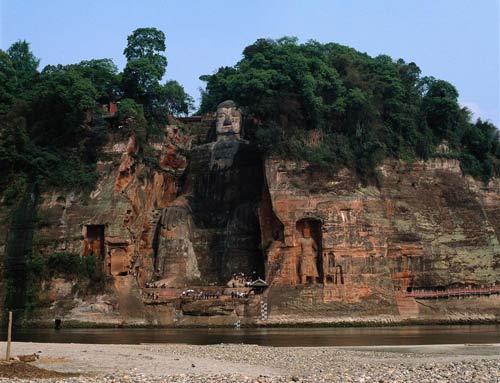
x=218 y=363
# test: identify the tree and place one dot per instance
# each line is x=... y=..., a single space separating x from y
x=145 y=42
x=8 y=82
x=145 y=65
x=176 y=99
x=13 y=142
x=59 y=103
x=364 y=108
x=103 y=74
x=24 y=62
x=141 y=81
x=442 y=111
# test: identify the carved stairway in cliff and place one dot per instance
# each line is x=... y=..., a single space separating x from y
x=407 y=306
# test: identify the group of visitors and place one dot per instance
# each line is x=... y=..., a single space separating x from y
x=238 y=294
x=242 y=280
x=153 y=285
x=202 y=295
x=153 y=296
x=188 y=293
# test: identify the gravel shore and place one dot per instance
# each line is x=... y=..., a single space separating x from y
x=252 y=363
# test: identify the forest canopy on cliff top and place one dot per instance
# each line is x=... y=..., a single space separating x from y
x=334 y=106
x=325 y=103
x=53 y=124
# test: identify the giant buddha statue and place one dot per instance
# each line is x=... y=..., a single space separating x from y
x=228 y=121
x=228 y=131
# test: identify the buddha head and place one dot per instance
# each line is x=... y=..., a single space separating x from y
x=228 y=123
x=306 y=232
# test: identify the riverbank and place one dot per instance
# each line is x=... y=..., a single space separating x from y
x=252 y=363
x=288 y=321
x=278 y=337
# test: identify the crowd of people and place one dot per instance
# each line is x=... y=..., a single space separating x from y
x=153 y=296
x=242 y=280
x=238 y=280
x=202 y=295
x=153 y=285
x=239 y=294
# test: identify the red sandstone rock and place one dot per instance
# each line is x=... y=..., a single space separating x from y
x=424 y=226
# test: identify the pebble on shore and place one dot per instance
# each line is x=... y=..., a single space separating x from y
x=287 y=364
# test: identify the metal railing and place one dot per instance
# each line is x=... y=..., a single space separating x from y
x=456 y=292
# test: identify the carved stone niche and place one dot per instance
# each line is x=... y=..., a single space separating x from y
x=175 y=259
x=333 y=272
x=309 y=247
x=119 y=262
x=93 y=241
x=118 y=257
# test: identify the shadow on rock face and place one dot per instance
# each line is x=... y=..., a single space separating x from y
x=213 y=231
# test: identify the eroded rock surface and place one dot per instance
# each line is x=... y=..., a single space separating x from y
x=329 y=247
x=425 y=226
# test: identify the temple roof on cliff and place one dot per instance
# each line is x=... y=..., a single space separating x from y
x=259 y=283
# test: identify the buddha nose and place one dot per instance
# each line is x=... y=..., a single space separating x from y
x=227 y=121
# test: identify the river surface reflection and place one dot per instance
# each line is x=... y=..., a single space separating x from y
x=279 y=337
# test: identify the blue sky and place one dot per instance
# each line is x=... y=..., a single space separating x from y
x=456 y=40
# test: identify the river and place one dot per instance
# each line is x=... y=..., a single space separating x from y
x=279 y=337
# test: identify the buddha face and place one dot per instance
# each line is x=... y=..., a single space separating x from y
x=228 y=120
x=306 y=232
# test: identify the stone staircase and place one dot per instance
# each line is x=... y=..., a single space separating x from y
x=407 y=306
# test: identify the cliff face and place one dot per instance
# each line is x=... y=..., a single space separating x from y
x=115 y=224
x=328 y=247
x=424 y=227
x=211 y=230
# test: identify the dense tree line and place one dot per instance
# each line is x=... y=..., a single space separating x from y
x=52 y=122
x=325 y=103
x=334 y=106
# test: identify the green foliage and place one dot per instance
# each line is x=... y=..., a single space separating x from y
x=177 y=100
x=103 y=74
x=59 y=103
x=145 y=65
x=14 y=190
x=141 y=78
x=65 y=263
x=362 y=109
x=37 y=266
x=51 y=130
x=24 y=62
x=72 y=170
x=146 y=42
x=85 y=270
x=51 y=122
x=48 y=132
x=129 y=108
x=131 y=118
x=70 y=264
x=8 y=82
x=480 y=156
x=150 y=157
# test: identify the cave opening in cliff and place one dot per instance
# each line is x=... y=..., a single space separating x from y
x=310 y=240
x=94 y=240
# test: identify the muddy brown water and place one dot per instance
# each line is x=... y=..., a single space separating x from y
x=279 y=337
